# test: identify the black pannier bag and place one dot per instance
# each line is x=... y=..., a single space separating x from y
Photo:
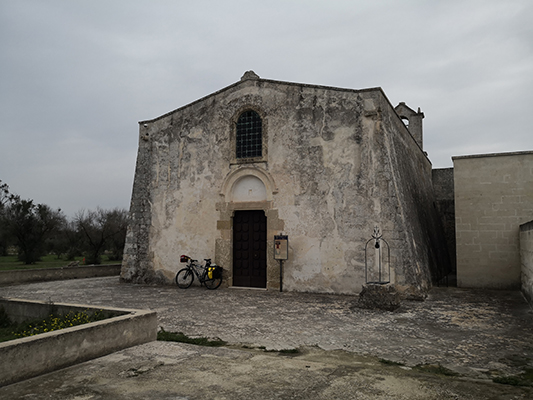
x=215 y=272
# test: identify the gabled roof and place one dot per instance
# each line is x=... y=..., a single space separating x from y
x=251 y=75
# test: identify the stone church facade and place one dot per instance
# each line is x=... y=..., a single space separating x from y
x=220 y=177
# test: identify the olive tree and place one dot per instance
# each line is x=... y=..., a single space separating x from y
x=29 y=225
x=102 y=230
x=4 y=234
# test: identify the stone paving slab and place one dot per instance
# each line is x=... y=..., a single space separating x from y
x=474 y=332
x=177 y=371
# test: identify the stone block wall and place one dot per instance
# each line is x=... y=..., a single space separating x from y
x=493 y=197
x=526 y=260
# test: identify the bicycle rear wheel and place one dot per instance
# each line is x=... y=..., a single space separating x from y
x=212 y=284
x=184 y=278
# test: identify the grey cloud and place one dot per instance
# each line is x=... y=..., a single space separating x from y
x=77 y=76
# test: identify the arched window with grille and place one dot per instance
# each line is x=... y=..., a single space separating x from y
x=249 y=136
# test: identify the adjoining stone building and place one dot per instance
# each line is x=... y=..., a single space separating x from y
x=219 y=177
x=493 y=198
x=526 y=259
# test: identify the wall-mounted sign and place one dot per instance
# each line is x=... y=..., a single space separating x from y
x=281 y=247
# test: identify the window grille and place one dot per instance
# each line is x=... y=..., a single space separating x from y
x=249 y=135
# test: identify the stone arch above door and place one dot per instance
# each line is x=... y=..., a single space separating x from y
x=245 y=182
x=248 y=188
x=235 y=196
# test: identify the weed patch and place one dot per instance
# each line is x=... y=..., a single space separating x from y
x=289 y=351
x=389 y=362
x=436 y=369
x=282 y=351
x=524 y=379
x=182 y=338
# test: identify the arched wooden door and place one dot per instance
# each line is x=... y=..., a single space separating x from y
x=249 y=249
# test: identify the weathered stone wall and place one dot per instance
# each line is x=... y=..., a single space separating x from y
x=335 y=163
x=445 y=204
x=421 y=234
x=493 y=196
x=526 y=260
x=137 y=263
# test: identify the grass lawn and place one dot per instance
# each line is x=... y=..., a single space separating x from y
x=49 y=261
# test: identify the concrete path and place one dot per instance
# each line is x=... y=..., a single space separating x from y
x=478 y=334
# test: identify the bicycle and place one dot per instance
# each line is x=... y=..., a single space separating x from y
x=209 y=274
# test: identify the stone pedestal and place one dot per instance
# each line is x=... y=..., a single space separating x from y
x=381 y=297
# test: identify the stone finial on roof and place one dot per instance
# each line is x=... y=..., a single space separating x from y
x=249 y=75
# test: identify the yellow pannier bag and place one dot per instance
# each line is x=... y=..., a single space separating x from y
x=214 y=272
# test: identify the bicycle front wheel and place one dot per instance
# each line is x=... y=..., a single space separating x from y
x=184 y=278
x=212 y=284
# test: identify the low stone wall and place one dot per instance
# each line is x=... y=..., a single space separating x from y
x=55 y=274
x=526 y=259
x=35 y=355
x=24 y=310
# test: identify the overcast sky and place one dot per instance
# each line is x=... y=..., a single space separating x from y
x=77 y=76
